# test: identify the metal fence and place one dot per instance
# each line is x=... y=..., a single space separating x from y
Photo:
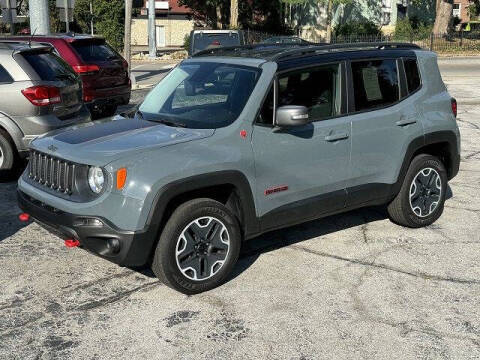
x=455 y=42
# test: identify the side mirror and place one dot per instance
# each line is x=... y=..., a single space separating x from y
x=290 y=116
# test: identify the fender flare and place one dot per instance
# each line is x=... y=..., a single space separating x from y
x=13 y=130
x=417 y=144
x=234 y=178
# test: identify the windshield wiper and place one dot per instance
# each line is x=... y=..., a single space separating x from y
x=170 y=123
x=161 y=121
x=64 y=76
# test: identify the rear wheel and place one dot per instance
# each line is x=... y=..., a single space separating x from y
x=103 y=112
x=421 y=199
x=198 y=247
x=7 y=152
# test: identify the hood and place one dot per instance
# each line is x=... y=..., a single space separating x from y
x=101 y=142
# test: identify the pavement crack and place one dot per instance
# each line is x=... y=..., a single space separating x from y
x=113 y=299
x=421 y=275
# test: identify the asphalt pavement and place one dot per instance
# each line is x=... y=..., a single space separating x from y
x=352 y=286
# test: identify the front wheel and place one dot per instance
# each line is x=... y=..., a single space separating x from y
x=421 y=199
x=198 y=247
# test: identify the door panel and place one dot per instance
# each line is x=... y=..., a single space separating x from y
x=302 y=166
x=301 y=172
x=381 y=135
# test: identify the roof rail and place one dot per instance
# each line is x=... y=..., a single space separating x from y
x=244 y=47
x=347 y=46
x=302 y=50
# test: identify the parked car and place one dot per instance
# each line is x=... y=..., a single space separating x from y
x=229 y=147
x=210 y=39
x=104 y=72
x=39 y=92
x=292 y=40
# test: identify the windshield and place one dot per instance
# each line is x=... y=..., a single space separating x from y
x=201 y=95
x=208 y=41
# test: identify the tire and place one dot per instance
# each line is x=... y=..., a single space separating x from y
x=190 y=261
x=103 y=112
x=7 y=152
x=421 y=199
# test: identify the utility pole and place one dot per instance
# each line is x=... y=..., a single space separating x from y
x=39 y=17
x=67 y=20
x=152 y=36
x=91 y=16
x=10 y=18
x=128 y=34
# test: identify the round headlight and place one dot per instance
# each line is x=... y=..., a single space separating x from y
x=96 y=179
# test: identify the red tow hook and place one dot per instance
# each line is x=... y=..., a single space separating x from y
x=71 y=243
x=24 y=217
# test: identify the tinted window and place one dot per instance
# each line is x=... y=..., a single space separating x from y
x=317 y=89
x=266 y=113
x=209 y=41
x=413 y=75
x=375 y=84
x=201 y=95
x=49 y=67
x=90 y=51
x=4 y=76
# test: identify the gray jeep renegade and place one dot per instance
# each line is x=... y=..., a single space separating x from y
x=236 y=142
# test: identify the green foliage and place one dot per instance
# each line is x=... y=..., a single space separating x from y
x=412 y=28
x=474 y=9
x=108 y=16
x=357 y=28
x=186 y=42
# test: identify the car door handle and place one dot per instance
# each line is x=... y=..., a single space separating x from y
x=337 y=137
x=406 y=121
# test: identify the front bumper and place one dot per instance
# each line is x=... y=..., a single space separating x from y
x=126 y=248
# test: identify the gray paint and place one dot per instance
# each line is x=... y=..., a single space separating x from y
x=370 y=149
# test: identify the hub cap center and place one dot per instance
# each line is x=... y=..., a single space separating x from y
x=202 y=248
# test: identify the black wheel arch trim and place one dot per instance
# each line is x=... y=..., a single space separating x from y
x=447 y=136
x=236 y=179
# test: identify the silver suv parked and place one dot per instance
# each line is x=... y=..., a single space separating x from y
x=237 y=142
x=39 y=92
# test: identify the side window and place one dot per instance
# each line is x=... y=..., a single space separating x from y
x=413 y=75
x=318 y=89
x=5 y=77
x=266 y=113
x=375 y=84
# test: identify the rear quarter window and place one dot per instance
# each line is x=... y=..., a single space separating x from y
x=375 y=84
x=413 y=75
x=49 y=66
x=91 y=52
x=5 y=77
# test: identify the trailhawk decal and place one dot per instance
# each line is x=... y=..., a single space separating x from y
x=276 y=189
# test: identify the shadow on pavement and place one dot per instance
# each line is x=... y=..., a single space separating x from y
x=148 y=74
x=275 y=240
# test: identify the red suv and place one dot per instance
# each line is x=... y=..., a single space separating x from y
x=104 y=72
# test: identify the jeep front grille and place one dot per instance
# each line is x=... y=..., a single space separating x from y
x=51 y=172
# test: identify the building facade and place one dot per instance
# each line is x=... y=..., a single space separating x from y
x=173 y=23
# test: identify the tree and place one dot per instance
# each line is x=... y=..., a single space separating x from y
x=109 y=18
x=443 y=17
x=209 y=12
x=329 y=4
